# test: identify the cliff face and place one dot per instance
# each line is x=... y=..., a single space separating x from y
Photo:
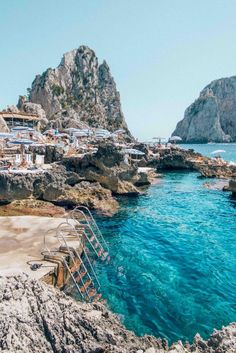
x=79 y=91
x=212 y=117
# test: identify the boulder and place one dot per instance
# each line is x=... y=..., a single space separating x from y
x=106 y=167
x=91 y=195
x=52 y=153
x=15 y=187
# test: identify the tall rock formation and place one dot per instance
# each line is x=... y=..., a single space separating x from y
x=212 y=117
x=78 y=92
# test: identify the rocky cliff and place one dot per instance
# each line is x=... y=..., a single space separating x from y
x=212 y=117
x=37 y=318
x=79 y=91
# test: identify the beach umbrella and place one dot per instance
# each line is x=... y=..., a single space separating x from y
x=175 y=138
x=102 y=131
x=5 y=135
x=120 y=131
x=20 y=128
x=218 y=151
x=133 y=151
x=62 y=135
x=80 y=134
x=49 y=132
x=71 y=130
x=21 y=142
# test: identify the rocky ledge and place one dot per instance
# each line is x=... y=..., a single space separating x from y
x=91 y=181
x=36 y=318
x=178 y=158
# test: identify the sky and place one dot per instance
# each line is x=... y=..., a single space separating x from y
x=161 y=53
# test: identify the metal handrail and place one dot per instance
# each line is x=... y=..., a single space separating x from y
x=87 y=257
x=94 y=222
x=72 y=255
x=72 y=213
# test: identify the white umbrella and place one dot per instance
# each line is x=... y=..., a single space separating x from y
x=218 y=151
x=5 y=135
x=20 y=128
x=80 y=134
x=103 y=131
x=71 y=130
x=21 y=142
x=133 y=151
x=50 y=131
x=175 y=138
x=62 y=135
x=120 y=131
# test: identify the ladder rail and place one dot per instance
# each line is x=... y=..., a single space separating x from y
x=72 y=256
x=64 y=261
x=86 y=255
x=82 y=226
x=93 y=221
x=87 y=258
x=77 y=209
x=73 y=279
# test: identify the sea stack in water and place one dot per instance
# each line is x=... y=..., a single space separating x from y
x=79 y=91
x=212 y=117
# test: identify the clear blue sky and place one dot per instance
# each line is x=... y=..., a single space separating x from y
x=161 y=53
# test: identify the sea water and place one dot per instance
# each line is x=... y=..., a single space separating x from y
x=173 y=257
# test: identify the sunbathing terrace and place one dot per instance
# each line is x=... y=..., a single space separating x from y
x=20 y=119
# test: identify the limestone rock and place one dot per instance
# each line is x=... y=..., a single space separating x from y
x=51 y=153
x=107 y=167
x=31 y=207
x=92 y=195
x=3 y=125
x=35 y=317
x=212 y=117
x=79 y=92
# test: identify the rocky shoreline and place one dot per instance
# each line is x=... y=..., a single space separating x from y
x=38 y=318
x=96 y=179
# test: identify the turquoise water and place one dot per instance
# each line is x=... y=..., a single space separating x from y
x=173 y=250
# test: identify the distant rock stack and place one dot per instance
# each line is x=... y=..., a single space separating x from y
x=79 y=92
x=212 y=117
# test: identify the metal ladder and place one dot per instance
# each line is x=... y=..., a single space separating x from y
x=86 y=224
x=79 y=273
x=82 y=280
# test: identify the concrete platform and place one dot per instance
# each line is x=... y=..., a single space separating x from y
x=22 y=241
